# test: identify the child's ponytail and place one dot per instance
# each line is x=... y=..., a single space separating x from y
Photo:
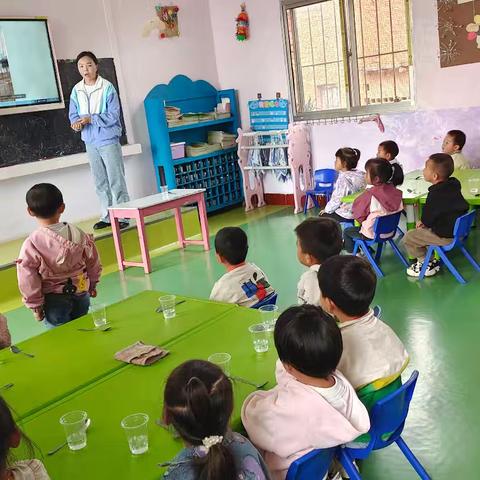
x=349 y=157
x=357 y=153
x=219 y=464
x=390 y=180
x=199 y=403
x=380 y=171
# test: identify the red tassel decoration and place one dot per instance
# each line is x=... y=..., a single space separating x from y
x=243 y=24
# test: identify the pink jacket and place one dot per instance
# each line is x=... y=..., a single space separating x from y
x=292 y=419
x=378 y=201
x=47 y=261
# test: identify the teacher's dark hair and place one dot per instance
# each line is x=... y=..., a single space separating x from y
x=89 y=55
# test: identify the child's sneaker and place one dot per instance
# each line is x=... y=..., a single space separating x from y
x=432 y=269
x=414 y=269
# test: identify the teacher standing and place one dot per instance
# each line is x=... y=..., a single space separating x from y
x=95 y=111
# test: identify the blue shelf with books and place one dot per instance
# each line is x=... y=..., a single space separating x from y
x=180 y=118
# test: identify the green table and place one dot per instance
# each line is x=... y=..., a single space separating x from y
x=470 y=180
x=414 y=187
x=140 y=389
x=67 y=359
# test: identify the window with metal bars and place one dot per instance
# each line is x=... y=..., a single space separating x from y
x=348 y=56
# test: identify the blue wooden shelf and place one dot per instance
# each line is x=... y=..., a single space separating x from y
x=209 y=123
x=180 y=161
x=218 y=171
x=227 y=204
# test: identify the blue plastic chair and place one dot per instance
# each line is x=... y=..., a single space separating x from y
x=313 y=465
x=270 y=300
x=461 y=230
x=387 y=415
x=323 y=181
x=385 y=229
x=349 y=223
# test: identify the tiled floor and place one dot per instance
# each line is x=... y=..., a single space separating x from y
x=437 y=319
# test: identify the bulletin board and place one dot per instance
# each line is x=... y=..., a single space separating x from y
x=458 y=32
x=268 y=114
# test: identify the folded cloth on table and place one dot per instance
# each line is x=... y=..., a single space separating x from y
x=141 y=354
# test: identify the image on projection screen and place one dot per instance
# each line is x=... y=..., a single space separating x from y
x=27 y=68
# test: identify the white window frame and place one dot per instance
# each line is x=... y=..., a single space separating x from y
x=352 y=82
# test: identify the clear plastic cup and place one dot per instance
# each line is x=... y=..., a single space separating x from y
x=75 y=426
x=136 y=430
x=99 y=315
x=167 y=304
x=222 y=360
x=260 y=335
x=164 y=191
x=269 y=316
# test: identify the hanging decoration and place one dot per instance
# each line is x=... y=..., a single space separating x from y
x=154 y=24
x=243 y=30
x=169 y=16
x=165 y=22
x=473 y=29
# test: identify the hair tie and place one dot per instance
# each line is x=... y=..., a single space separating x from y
x=393 y=173
x=209 y=442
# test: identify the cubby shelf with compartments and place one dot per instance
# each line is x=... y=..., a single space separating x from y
x=218 y=172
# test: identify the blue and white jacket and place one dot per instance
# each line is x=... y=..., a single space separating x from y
x=102 y=106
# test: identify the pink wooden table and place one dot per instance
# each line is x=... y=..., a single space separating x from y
x=160 y=202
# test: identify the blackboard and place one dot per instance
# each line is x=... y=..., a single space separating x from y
x=31 y=137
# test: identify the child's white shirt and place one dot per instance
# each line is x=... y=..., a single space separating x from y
x=337 y=397
x=372 y=351
x=308 y=290
x=460 y=162
x=246 y=286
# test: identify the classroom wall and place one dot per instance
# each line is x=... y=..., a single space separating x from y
x=208 y=49
x=149 y=61
x=259 y=66
x=254 y=66
x=112 y=28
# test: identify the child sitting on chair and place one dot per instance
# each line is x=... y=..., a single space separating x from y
x=317 y=240
x=380 y=200
x=313 y=405
x=5 y=338
x=373 y=356
x=453 y=144
x=11 y=437
x=444 y=204
x=349 y=181
x=58 y=267
x=244 y=283
x=389 y=151
x=198 y=403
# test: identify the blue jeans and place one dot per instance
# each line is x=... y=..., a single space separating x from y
x=106 y=164
x=61 y=308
